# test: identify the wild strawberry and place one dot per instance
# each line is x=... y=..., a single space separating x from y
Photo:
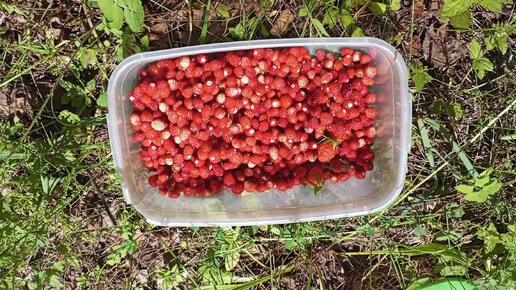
x=371 y=113
x=187 y=92
x=285 y=101
x=146 y=116
x=346 y=51
x=326 y=151
x=153 y=180
x=370 y=98
x=201 y=58
x=138 y=137
x=356 y=56
x=135 y=119
x=328 y=63
x=370 y=71
x=232 y=91
x=183 y=62
x=274 y=153
x=233 y=59
x=365 y=58
x=163 y=107
x=320 y=55
x=325 y=118
x=237 y=188
x=217 y=170
x=245 y=62
x=315 y=175
x=326 y=78
x=370 y=132
x=359 y=73
x=278 y=83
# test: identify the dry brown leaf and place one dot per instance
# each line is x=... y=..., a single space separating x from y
x=282 y=22
x=415 y=48
x=159 y=27
x=440 y=51
x=419 y=8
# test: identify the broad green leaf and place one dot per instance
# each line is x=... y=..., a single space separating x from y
x=501 y=43
x=223 y=10
x=509 y=241
x=490 y=237
x=512 y=227
x=55 y=281
x=87 y=57
x=483 y=193
x=69 y=117
x=113 y=13
x=377 y=8
x=452 y=109
x=134 y=14
x=466 y=189
x=482 y=181
x=452 y=270
x=456 y=110
x=420 y=77
x=419 y=231
x=232 y=260
x=490 y=42
x=237 y=32
x=474 y=49
x=303 y=11
x=455 y=7
x=354 y=3
x=416 y=285
x=346 y=18
x=9 y=8
x=448 y=236
x=275 y=230
x=357 y=32
x=494 y=5
x=330 y=17
x=461 y=21
x=319 y=27
x=493 y=187
x=102 y=100
x=395 y=5
x=481 y=65
x=448 y=284
x=145 y=41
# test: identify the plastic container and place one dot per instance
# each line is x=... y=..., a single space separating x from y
x=351 y=198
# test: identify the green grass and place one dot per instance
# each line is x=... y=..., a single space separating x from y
x=63 y=221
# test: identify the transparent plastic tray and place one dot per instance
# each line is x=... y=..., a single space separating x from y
x=350 y=198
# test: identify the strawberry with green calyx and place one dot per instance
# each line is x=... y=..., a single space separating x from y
x=315 y=178
x=327 y=149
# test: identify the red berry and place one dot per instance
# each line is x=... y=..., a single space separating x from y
x=365 y=58
x=183 y=62
x=158 y=125
x=326 y=151
x=326 y=118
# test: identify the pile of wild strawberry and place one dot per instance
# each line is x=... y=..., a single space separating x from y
x=255 y=120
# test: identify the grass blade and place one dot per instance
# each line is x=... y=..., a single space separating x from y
x=204 y=31
x=427 y=145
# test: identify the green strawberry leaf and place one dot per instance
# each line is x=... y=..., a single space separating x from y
x=113 y=13
x=461 y=21
x=134 y=14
